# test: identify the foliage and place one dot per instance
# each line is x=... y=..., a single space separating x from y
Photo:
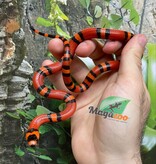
x=56 y=16
x=125 y=12
x=149 y=67
x=149 y=138
x=151 y=83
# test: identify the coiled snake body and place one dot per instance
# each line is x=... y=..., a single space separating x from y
x=32 y=135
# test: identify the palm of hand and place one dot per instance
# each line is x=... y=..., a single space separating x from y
x=92 y=135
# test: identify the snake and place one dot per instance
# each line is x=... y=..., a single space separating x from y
x=64 y=65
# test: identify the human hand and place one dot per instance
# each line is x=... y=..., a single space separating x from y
x=96 y=140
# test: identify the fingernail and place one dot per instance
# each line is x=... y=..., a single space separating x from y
x=142 y=40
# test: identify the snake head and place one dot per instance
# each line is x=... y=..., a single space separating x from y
x=32 y=137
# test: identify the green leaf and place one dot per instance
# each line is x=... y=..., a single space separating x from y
x=42 y=110
x=30 y=149
x=144 y=68
x=116 y=21
x=47 y=5
x=54 y=104
x=56 y=150
x=151 y=84
x=31 y=97
x=21 y=112
x=62 y=161
x=65 y=124
x=60 y=13
x=44 y=22
x=149 y=139
x=127 y=4
x=62 y=106
x=45 y=157
x=89 y=20
x=97 y=11
x=62 y=139
x=45 y=128
x=134 y=16
x=105 y=22
x=13 y=115
x=48 y=54
x=19 y=152
x=61 y=32
x=30 y=114
x=58 y=131
x=41 y=150
x=85 y=3
x=115 y=104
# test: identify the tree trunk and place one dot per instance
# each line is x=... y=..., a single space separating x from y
x=14 y=77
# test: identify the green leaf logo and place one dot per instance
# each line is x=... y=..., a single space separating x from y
x=114 y=104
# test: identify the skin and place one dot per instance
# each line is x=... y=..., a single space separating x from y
x=99 y=140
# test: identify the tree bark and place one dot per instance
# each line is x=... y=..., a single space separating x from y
x=14 y=77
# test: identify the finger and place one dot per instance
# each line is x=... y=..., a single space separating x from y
x=56 y=47
x=97 y=51
x=130 y=64
x=115 y=48
x=85 y=48
x=92 y=48
x=112 y=47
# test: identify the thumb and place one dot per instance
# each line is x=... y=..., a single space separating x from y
x=130 y=63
